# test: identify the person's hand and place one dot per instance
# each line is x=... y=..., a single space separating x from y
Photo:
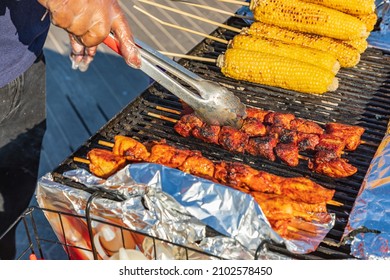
x=88 y=23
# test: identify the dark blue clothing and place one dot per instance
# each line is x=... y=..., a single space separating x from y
x=22 y=36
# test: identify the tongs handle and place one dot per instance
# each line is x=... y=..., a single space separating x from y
x=150 y=58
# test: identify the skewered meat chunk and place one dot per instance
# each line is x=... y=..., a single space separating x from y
x=168 y=155
x=232 y=139
x=330 y=164
x=129 y=148
x=262 y=146
x=279 y=119
x=207 y=133
x=104 y=163
x=305 y=190
x=256 y=113
x=199 y=166
x=253 y=127
x=307 y=141
x=246 y=178
x=306 y=126
x=329 y=142
x=288 y=153
x=186 y=124
x=350 y=133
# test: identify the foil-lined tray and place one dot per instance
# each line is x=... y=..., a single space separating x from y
x=176 y=206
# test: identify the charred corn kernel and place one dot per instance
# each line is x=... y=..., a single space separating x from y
x=369 y=20
x=347 y=55
x=359 y=44
x=277 y=71
x=307 y=17
x=352 y=7
x=261 y=44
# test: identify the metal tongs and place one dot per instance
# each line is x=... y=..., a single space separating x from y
x=214 y=104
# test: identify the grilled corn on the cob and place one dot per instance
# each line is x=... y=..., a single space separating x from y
x=261 y=44
x=352 y=7
x=274 y=70
x=347 y=55
x=359 y=44
x=307 y=17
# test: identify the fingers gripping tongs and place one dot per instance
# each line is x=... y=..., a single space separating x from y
x=214 y=104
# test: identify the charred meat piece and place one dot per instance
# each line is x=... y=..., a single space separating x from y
x=170 y=156
x=284 y=135
x=104 y=163
x=329 y=142
x=288 y=153
x=350 y=133
x=279 y=119
x=262 y=146
x=207 y=133
x=330 y=164
x=199 y=166
x=306 y=126
x=277 y=207
x=253 y=127
x=130 y=148
x=256 y=113
x=232 y=139
x=307 y=141
x=186 y=124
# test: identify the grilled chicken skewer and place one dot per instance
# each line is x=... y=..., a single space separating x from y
x=236 y=175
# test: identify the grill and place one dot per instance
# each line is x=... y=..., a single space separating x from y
x=363 y=99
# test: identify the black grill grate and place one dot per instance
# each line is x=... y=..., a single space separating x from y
x=363 y=99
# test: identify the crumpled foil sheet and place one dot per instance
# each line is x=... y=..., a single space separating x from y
x=176 y=206
x=368 y=228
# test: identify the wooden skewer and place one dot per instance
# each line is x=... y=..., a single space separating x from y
x=242 y=3
x=234 y=29
x=162 y=117
x=192 y=57
x=106 y=143
x=334 y=203
x=215 y=10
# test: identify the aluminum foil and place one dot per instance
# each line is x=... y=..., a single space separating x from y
x=176 y=206
x=368 y=228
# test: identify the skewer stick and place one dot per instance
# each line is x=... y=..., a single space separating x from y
x=242 y=3
x=334 y=203
x=214 y=9
x=105 y=143
x=190 y=15
x=180 y=27
x=168 y=110
x=81 y=160
x=192 y=57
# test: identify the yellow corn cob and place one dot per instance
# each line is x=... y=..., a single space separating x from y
x=307 y=17
x=347 y=55
x=274 y=70
x=369 y=20
x=359 y=44
x=352 y=7
x=261 y=44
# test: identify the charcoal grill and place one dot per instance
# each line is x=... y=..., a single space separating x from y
x=363 y=99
